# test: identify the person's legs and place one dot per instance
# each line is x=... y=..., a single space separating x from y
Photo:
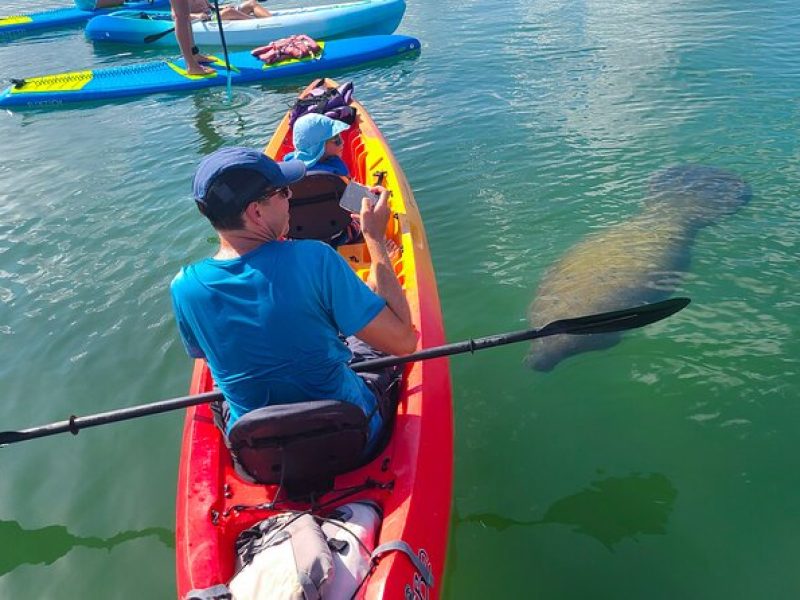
x=252 y=7
x=222 y=414
x=183 y=31
x=384 y=383
x=231 y=13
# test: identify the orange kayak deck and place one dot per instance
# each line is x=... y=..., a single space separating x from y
x=411 y=479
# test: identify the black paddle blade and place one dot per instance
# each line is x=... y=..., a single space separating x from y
x=619 y=320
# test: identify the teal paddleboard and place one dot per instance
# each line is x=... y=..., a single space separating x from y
x=15 y=25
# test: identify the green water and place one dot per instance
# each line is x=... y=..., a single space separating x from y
x=664 y=467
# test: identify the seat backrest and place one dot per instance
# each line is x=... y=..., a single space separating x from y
x=302 y=446
x=314 y=211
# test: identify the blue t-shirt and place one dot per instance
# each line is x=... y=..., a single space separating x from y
x=269 y=322
x=332 y=164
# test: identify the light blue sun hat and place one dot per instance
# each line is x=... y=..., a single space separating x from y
x=310 y=133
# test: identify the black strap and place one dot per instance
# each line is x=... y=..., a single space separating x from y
x=401 y=546
x=216 y=592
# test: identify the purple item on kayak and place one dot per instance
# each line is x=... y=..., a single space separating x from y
x=333 y=103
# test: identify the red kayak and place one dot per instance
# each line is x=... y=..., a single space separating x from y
x=410 y=479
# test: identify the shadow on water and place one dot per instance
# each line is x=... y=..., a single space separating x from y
x=609 y=510
x=48 y=544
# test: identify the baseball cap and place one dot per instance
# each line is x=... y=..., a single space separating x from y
x=238 y=175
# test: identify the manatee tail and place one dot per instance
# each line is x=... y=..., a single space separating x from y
x=546 y=353
x=543 y=362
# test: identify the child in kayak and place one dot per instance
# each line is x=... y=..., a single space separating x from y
x=319 y=145
x=95 y=4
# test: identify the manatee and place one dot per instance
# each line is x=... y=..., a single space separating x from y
x=635 y=262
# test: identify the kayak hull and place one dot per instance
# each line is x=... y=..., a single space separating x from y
x=61 y=17
x=170 y=76
x=412 y=476
x=366 y=17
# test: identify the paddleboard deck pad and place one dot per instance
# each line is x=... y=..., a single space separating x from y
x=60 y=17
x=171 y=76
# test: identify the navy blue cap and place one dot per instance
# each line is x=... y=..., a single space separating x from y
x=275 y=174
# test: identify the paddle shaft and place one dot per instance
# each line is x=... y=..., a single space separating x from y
x=75 y=424
x=610 y=322
x=149 y=39
x=602 y=323
x=224 y=50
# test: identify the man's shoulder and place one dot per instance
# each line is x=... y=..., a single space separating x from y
x=309 y=248
x=186 y=278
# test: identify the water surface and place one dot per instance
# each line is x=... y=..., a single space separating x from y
x=660 y=468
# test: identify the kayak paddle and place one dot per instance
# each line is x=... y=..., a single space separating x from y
x=149 y=39
x=620 y=320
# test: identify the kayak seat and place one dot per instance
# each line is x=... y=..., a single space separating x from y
x=314 y=211
x=301 y=446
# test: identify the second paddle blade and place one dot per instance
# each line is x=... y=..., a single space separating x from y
x=620 y=320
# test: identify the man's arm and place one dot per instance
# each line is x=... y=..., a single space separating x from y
x=392 y=330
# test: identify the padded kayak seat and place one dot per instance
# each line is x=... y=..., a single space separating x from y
x=301 y=446
x=314 y=211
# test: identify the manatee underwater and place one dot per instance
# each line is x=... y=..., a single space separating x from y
x=635 y=262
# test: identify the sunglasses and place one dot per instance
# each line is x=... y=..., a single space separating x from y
x=337 y=139
x=283 y=191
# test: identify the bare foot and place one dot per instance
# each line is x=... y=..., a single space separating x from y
x=202 y=58
x=198 y=69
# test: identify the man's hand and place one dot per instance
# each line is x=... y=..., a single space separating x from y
x=374 y=219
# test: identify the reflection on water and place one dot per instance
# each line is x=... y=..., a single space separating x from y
x=48 y=544
x=208 y=120
x=609 y=510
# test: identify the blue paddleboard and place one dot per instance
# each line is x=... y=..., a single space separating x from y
x=171 y=76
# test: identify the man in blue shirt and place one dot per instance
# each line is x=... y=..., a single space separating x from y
x=268 y=313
